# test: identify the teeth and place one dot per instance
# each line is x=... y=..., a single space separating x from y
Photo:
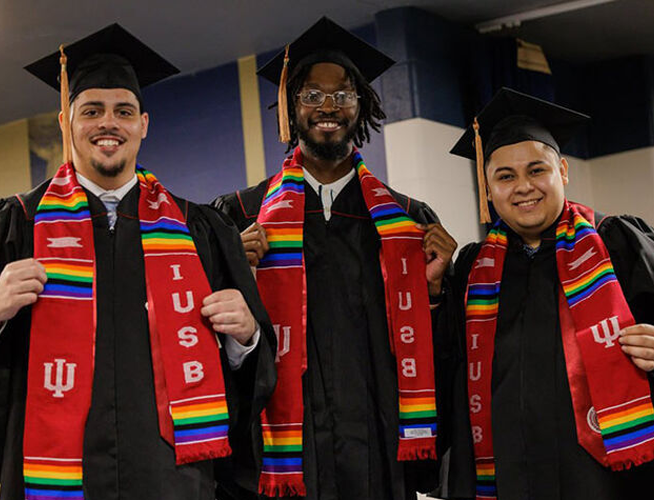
x=107 y=142
x=527 y=203
x=327 y=124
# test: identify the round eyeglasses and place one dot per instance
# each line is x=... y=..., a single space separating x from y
x=341 y=99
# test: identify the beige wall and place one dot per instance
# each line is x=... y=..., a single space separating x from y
x=580 y=187
x=623 y=183
x=14 y=158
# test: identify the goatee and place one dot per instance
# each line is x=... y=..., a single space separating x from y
x=327 y=150
x=108 y=170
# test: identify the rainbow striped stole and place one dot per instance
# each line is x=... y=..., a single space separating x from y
x=165 y=233
x=284 y=238
x=389 y=217
x=197 y=405
x=593 y=294
x=282 y=268
x=200 y=419
x=627 y=425
x=417 y=413
x=485 y=474
x=62 y=339
x=402 y=242
x=48 y=479
x=579 y=288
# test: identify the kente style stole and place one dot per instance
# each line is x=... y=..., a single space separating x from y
x=611 y=397
x=189 y=386
x=281 y=280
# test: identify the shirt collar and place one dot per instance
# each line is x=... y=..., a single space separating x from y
x=106 y=194
x=336 y=187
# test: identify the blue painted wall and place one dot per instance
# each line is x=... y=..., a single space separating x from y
x=195 y=140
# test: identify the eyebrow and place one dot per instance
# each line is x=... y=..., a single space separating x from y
x=102 y=104
x=530 y=164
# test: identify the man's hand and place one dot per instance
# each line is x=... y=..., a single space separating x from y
x=229 y=314
x=255 y=243
x=638 y=342
x=21 y=282
x=439 y=247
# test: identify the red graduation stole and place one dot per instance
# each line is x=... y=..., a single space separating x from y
x=188 y=375
x=282 y=284
x=611 y=397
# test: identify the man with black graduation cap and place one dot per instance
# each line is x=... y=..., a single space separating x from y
x=116 y=297
x=340 y=265
x=554 y=314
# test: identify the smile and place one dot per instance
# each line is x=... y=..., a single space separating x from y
x=527 y=203
x=327 y=125
x=107 y=142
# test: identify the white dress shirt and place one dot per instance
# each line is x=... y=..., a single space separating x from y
x=328 y=192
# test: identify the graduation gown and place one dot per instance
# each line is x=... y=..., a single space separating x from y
x=534 y=434
x=124 y=456
x=350 y=431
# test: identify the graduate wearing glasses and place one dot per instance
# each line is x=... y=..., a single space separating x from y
x=340 y=264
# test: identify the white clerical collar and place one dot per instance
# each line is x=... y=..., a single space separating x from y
x=103 y=194
x=328 y=192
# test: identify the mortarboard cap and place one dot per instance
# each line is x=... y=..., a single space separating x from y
x=325 y=41
x=512 y=117
x=109 y=58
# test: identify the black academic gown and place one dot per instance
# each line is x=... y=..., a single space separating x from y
x=124 y=456
x=350 y=431
x=534 y=434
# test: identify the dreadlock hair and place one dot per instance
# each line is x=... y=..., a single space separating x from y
x=370 y=111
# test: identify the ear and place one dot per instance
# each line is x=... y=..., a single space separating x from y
x=145 y=121
x=563 y=168
x=61 y=120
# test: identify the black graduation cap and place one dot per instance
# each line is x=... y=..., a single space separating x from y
x=512 y=117
x=109 y=58
x=325 y=41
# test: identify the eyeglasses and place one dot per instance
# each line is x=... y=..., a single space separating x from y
x=341 y=99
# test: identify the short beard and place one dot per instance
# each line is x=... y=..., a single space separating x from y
x=328 y=151
x=108 y=171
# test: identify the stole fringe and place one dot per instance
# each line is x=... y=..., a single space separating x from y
x=417 y=451
x=274 y=487
x=204 y=453
x=626 y=462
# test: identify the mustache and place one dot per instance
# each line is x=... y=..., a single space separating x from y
x=108 y=134
x=329 y=117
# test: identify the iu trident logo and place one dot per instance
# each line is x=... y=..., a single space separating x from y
x=59 y=386
x=609 y=334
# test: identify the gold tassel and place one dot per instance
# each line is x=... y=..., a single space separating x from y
x=282 y=103
x=65 y=108
x=484 y=213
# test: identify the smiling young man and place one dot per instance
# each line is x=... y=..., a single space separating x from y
x=115 y=298
x=341 y=268
x=555 y=312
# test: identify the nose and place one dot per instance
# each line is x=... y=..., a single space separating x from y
x=524 y=185
x=108 y=122
x=328 y=108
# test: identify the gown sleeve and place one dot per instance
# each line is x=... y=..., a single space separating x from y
x=14 y=243
x=630 y=242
